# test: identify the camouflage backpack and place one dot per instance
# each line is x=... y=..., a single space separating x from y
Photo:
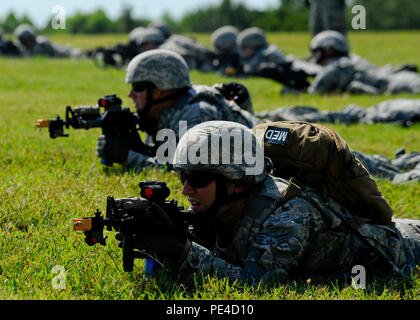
x=316 y=155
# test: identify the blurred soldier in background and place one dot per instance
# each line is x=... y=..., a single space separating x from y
x=133 y=34
x=148 y=38
x=162 y=27
x=257 y=53
x=139 y=39
x=345 y=72
x=403 y=112
x=265 y=60
x=164 y=97
x=227 y=60
x=7 y=47
x=196 y=55
x=156 y=35
x=327 y=15
x=117 y=55
x=405 y=167
x=33 y=45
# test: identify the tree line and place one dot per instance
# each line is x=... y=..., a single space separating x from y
x=290 y=15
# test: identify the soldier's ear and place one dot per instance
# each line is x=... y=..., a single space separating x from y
x=160 y=94
x=235 y=188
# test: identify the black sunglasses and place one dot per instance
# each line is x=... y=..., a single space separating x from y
x=140 y=86
x=197 y=180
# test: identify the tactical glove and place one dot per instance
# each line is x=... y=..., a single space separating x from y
x=234 y=91
x=161 y=244
x=238 y=93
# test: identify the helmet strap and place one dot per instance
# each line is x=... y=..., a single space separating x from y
x=147 y=123
x=222 y=197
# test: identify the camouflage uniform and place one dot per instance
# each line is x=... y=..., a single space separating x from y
x=327 y=15
x=355 y=75
x=285 y=230
x=227 y=60
x=162 y=27
x=303 y=237
x=270 y=54
x=40 y=45
x=398 y=111
x=132 y=36
x=198 y=56
x=406 y=167
x=8 y=47
x=264 y=53
x=148 y=38
x=309 y=114
x=45 y=47
x=403 y=111
x=193 y=104
x=194 y=107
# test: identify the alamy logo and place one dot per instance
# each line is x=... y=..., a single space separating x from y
x=237 y=145
x=59 y=281
x=359 y=277
x=359 y=20
x=59 y=17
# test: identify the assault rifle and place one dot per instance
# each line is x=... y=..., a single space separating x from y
x=115 y=121
x=129 y=216
x=116 y=56
x=228 y=64
x=285 y=74
x=8 y=48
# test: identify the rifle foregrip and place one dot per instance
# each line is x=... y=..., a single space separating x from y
x=128 y=255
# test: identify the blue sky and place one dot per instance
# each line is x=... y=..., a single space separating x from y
x=41 y=11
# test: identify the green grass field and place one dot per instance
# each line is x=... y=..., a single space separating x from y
x=45 y=182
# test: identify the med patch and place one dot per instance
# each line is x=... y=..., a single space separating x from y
x=275 y=135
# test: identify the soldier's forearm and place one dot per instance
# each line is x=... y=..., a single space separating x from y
x=200 y=259
x=138 y=161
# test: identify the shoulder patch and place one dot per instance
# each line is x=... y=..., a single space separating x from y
x=274 y=135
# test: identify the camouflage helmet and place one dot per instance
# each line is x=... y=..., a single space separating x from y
x=252 y=37
x=133 y=33
x=162 y=27
x=165 y=69
x=330 y=39
x=224 y=38
x=227 y=158
x=149 y=35
x=25 y=32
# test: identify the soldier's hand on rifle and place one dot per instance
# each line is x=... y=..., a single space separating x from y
x=162 y=244
x=237 y=92
x=112 y=149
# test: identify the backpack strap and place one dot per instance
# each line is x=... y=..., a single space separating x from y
x=293 y=190
x=376 y=258
x=254 y=211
